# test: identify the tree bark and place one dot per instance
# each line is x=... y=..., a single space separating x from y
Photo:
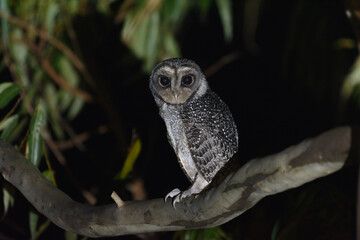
x=236 y=193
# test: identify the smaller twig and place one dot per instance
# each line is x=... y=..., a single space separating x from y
x=74 y=59
x=119 y=202
x=56 y=77
x=221 y=63
x=41 y=229
x=54 y=149
x=62 y=83
x=71 y=132
x=18 y=101
x=80 y=138
x=90 y=198
x=120 y=16
x=43 y=34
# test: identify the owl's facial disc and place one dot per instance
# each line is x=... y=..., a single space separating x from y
x=176 y=85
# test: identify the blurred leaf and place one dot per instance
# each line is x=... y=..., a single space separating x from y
x=48 y=174
x=70 y=235
x=53 y=110
x=7 y=122
x=35 y=140
x=144 y=30
x=152 y=40
x=51 y=16
x=14 y=130
x=170 y=46
x=18 y=48
x=75 y=108
x=173 y=12
x=275 y=230
x=104 y=6
x=4 y=23
x=68 y=72
x=344 y=43
x=133 y=154
x=205 y=6
x=8 y=126
x=351 y=81
x=8 y=91
x=33 y=222
x=225 y=12
x=73 y=7
x=20 y=53
x=201 y=234
x=8 y=200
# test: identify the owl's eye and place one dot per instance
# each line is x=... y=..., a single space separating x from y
x=164 y=81
x=187 y=80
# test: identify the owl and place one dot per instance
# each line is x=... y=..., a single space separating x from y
x=199 y=124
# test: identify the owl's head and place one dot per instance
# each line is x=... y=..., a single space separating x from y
x=175 y=80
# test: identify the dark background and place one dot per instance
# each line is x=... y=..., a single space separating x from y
x=285 y=92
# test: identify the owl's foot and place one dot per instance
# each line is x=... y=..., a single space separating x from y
x=183 y=195
x=177 y=195
x=172 y=194
x=199 y=184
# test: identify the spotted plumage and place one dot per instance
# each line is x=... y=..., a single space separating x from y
x=200 y=126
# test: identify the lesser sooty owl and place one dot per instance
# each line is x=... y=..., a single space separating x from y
x=199 y=124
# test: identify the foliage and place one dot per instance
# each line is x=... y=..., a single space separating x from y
x=202 y=234
x=150 y=27
x=46 y=82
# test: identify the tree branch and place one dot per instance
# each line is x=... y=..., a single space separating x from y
x=238 y=192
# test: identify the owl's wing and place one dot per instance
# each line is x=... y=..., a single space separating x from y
x=212 y=135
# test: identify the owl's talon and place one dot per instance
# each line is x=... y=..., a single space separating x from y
x=176 y=199
x=172 y=194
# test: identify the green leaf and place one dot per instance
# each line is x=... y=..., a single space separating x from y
x=35 y=139
x=204 y=7
x=52 y=12
x=68 y=72
x=51 y=100
x=73 y=6
x=8 y=91
x=275 y=230
x=70 y=235
x=33 y=222
x=48 y=174
x=8 y=200
x=7 y=122
x=75 y=108
x=225 y=12
x=130 y=159
x=12 y=133
x=18 y=48
x=104 y=6
x=20 y=52
x=170 y=46
x=152 y=40
x=215 y=233
x=8 y=127
x=4 y=23
x=351 y=81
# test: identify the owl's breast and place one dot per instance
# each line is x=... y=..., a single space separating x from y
x=177 y=138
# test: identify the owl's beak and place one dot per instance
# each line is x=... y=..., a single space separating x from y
x=175 y=94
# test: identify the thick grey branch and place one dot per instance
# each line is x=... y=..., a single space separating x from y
x=238 y=192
